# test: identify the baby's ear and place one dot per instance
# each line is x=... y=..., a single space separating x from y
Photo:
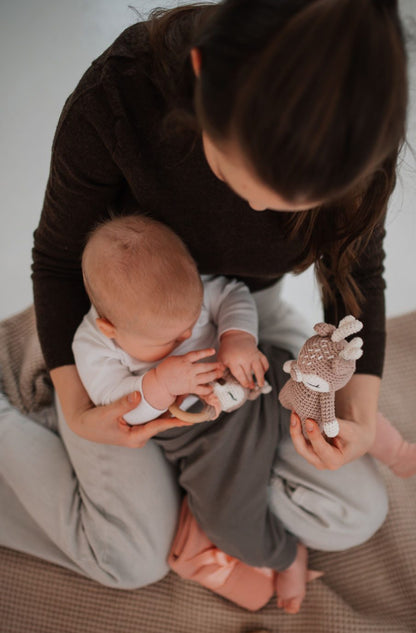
x=106 y=327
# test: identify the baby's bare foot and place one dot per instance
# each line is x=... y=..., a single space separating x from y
x=291 y=583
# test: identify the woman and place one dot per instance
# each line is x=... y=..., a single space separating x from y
x=203 y=118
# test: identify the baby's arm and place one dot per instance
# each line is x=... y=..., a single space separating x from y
x=181 y=375
x=105 y=377
x=160 y=386
x=234 y=311
x=239 y=352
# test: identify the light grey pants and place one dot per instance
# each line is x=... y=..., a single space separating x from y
x=110 y=513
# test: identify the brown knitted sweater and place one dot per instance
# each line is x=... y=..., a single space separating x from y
x=109 y=156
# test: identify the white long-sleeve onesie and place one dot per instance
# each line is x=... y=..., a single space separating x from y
x=108 y=372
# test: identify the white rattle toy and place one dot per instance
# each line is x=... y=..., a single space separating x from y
x=230 y=394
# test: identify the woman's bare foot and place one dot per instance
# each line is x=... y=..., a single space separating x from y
x=392 y=449
x=405 y=463
x=291 y=583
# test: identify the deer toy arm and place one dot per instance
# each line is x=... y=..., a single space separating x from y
x=328 y=424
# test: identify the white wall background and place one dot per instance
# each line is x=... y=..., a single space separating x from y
x=45 y=46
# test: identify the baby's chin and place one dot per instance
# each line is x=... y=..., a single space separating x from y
x=155 y=358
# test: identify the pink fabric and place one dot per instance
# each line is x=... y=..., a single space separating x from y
x=194 y=557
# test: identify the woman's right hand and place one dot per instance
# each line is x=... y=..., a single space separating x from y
x=103 y=424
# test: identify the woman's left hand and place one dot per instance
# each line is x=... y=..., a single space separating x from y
x=353 y=441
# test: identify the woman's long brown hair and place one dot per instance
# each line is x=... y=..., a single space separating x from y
x=315 y=94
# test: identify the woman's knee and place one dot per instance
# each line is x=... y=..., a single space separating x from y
x=137 y=572
x=369 y=502
x=329 y=511
x=124 y=557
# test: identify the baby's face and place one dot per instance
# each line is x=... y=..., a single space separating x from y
x=151 y=342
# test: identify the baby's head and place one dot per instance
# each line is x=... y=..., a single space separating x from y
x=144 y=284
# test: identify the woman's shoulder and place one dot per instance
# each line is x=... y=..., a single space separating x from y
x=155 y=50
x=138 y=76
x=127 y=56
x=116 y=91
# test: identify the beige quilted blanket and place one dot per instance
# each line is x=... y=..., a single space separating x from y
x=371 y=588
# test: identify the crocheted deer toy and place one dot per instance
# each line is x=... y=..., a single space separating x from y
x=325 y=364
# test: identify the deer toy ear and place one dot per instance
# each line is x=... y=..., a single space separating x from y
x=287 y=366
x=324 y=329
x=291 y=367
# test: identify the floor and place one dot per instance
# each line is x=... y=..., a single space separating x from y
x=45 y=45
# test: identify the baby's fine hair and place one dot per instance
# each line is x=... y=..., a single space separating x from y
x=136 y=262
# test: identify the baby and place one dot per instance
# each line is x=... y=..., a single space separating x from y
x=154 y=326
x=153 y=320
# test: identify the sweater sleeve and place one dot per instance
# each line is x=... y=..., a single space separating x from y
x=82 y=184
x=368 y=273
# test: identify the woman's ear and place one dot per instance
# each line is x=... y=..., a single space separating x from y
x=106 y=327
x=196 y=61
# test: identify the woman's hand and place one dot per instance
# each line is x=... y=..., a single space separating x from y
x=356 y=407
x=353 y=441
x=104 y=424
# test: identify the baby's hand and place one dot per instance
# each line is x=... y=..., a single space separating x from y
x=184 y=374
x=238 y=351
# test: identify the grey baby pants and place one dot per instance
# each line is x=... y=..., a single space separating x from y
x=225 y=467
